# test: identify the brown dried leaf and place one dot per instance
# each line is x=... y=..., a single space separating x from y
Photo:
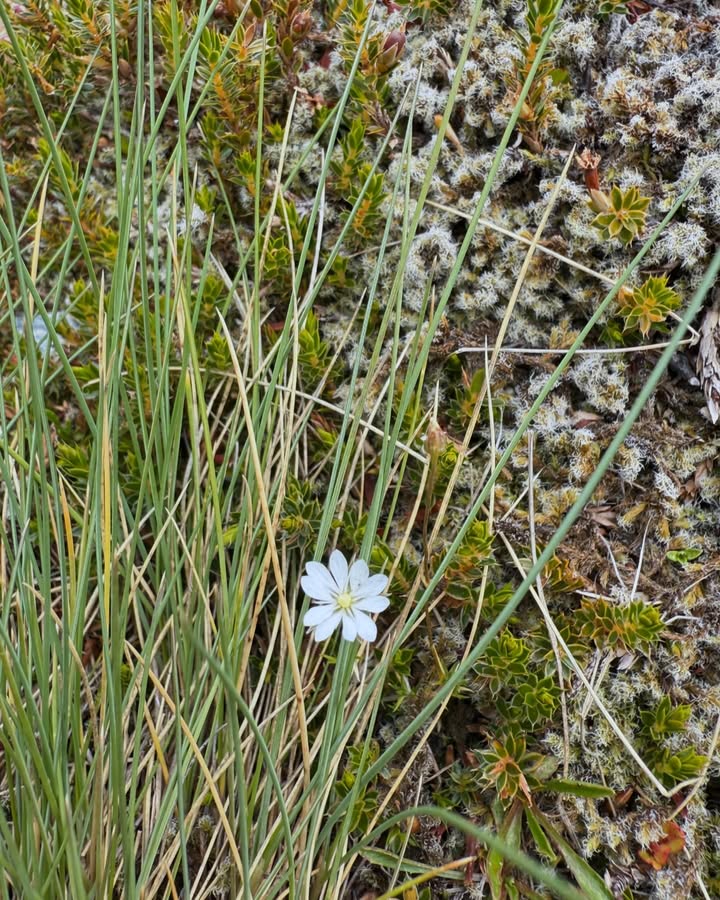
x=708 y=360
x=694 y=483
x=603 y=515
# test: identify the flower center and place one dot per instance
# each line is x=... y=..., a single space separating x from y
x=344 y=600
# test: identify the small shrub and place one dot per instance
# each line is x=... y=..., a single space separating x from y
x=620 y=216
x=649 y=305
x=632 y=627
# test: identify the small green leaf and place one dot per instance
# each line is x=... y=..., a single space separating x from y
x=542 y=844
x=578 y=788
x=559 y=76
x=510 y=830
x=591 y=884
x=683 y=556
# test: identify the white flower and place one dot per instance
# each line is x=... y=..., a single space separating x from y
x=343 y=595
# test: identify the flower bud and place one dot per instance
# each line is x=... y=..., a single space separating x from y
x=436 y=439
x=527 y=113
x=300 y=25
x=600 y=202
x=392 y=51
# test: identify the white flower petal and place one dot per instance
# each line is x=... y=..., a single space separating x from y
x=372 y=604
x=359 y=574
x=373 y=587
x=365 y=626
x=349 y=627
x=321 y=577
x=339 y=569
x=317 y=614
x=326 y=628
x=317 y=589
